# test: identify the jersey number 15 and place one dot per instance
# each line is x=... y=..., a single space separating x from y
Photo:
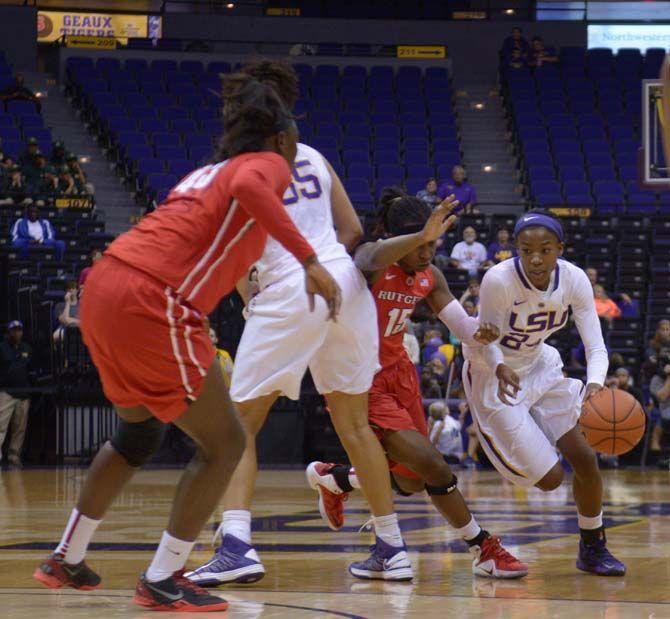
x=397 y=320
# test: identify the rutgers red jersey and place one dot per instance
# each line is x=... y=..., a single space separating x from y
x=212 y=227
x=396 y=294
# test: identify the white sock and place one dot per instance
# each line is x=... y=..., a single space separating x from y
x=353 y=478
x=470 y=530
x=170 y=557
x=237 y=522
x=590 y=522
x=387 y=529
x=76 y=537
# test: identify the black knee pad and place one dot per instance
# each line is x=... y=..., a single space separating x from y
x=137 y=442
x=398 y=490
x=442 y=490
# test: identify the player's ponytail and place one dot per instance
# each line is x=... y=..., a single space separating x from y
x=278 y=74
x=252 y=112
x=400 y=213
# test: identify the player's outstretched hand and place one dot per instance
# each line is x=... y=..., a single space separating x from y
x=486 y=333
x=508 y=383
x=319 y=281
x=440 y=220
x=592 y=389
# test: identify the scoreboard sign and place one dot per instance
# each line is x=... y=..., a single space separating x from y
x=421 y=52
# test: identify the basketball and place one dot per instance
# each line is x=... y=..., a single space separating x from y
x=612 y=421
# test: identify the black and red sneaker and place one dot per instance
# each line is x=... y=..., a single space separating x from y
x=55 y=573
x=177 y=594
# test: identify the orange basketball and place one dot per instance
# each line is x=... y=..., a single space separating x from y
x=612 y=421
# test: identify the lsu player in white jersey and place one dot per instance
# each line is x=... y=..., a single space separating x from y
x=283 y=337
x=523 y=406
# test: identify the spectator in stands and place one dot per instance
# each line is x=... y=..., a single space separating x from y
x=471 y=293
x=58 y=154
x=459 y=187
x=68 y=311
x=605 y=307
x=26 y=158
x=30 y=231
x=515 y=42
x=470 y=308
x=469 y=254
x=223 y=356
x=517 y=60
x=41 y=179
x=78 y=174
x=445 y=432
x=19 y=91
x=470 y=459
x=429 y=193
x=502 y=248
x=15 y=369
x=621 y=379
x=540 y=55
x=659 y=388
x=68 y=185
x=411 y=344
x=592 y=274
x=15 y=190
x=430 y=389
x=659 y=346
x=95 y=255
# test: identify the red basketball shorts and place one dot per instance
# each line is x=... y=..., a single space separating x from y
x=395 y=404
x=149 y=346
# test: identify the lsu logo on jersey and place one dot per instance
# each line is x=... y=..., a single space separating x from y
x=536 y=323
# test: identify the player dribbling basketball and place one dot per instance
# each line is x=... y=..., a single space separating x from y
x=523 y=405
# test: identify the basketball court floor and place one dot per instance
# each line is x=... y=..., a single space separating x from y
x=307 y=563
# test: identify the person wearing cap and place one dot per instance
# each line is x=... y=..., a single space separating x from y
x=17 y=90
x=30 y=231
x=78 y=174
x=15 y=368
x=58 y=154
x=525 y=409
x=15 y=190
x=38 y=180
x=28 y=155
x=429 y=193
x=67 y=185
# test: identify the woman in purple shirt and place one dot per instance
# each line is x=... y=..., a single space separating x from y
x=464 y=191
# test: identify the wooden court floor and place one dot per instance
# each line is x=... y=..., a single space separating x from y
x=306 y=563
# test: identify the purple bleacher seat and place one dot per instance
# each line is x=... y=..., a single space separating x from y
x=607 y=187
x=192 y=67
x=360 y=170
x=7 y=121
x=132 y=99
x=355 y=143
x=602 y=173
x=21 y=107
x=12 y=148
x=598 y=158
x=596 y=146
x=139 y=112
x=641 y=197
x=383 y=118
x=173 y=113
x=545 y=187
x=10 y=133
x=535 y=146
x=571 y=173
x=568 y=158
x=391 y=170
x=610 y=204
x=199 y=153
x=223 y=67
x=355 y=130
x=628 y=173
x=161 y=181
x=164 y=65
x=152 y=125
x=386 y=143
x=416 y=157
x=183 y=125
x=135 y=65
x=328 y=130
x=171 y=152
x=130 y=138
x=592 y=132
x=148 y=166
x=138 y=152
x=576 y=186
x=386 y=156
x=416 y=144
x=359 y=186
x=541 y=173
x=353 y=118
x=356 y=156
x=190 y=101
x=579 y=199
x=549 y=199
x=565 y=145
x=415 y=116
x=420 y=171
x=415 y=131
x=118 y=124
x=356 y=71
x=387 y=130
x=165 y=139
x=180 y=167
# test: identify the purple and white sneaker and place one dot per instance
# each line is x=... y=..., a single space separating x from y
x=385 y=563
x=596 y=559
x=233 y=561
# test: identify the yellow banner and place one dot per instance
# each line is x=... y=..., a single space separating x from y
x=421 y=51
x=51 y=25
x=570 y=211
x=91 y=42
x=76 y=203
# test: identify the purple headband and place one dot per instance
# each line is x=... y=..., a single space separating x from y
x=538 y=219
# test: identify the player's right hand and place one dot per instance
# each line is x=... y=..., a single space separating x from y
x=319 y=281
x=508 y=383
x=440 y=220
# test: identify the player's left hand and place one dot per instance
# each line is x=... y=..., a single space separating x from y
x=486 y=333
x=591 y=389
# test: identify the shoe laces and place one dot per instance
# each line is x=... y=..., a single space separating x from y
x=367 y=526
x=185 y=583
x=495 y=548
x=598 y=549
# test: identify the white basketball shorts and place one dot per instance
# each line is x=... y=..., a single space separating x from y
x=520 y=440
x=282 y=338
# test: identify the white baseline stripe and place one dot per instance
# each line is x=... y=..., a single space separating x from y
x=212 y=248
x=221 y=258
x=175 y=341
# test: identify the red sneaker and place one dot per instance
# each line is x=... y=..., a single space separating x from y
x=331 y=502
x=177 y=594
x=55 y=573
x=493 y=561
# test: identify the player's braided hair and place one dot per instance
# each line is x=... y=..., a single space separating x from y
x=278 y=74
x=400 y=213
x=252 y=112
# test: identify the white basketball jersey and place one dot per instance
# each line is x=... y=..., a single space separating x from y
x=307 y=201
x=527 y=316
x=450 y=442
